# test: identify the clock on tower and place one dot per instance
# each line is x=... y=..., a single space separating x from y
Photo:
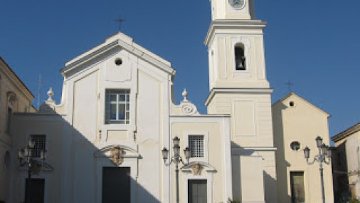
x=238 y=4
x=232 y=9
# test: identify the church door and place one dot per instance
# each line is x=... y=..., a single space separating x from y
x=197 y=191
x=116 y=185
x=297 y=187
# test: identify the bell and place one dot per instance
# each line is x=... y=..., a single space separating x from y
x=240 y=66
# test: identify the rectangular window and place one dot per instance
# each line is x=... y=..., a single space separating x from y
x=40 y=144
x=196 y=145
x=117 y=106
x=297 y=187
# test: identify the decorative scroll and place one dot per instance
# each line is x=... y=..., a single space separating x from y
x=188 y=108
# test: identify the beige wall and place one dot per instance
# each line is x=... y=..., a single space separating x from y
x=9 y=83
x=303 y=123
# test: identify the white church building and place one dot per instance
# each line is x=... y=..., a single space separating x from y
x=106 y=137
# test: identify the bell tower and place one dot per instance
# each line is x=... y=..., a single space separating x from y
x=235 y=45
x=239 y=88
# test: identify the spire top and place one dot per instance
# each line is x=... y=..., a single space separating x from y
x=50 y=94
x=185 y=95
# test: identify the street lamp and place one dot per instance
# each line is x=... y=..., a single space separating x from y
x=324 y=156
x=176 y=159
x=28 y=158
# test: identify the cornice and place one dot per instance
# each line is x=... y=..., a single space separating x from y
x=241 y=150
x=237 y=90
x=202 y=116
x=233 y=25
x=353 y=129
x=84 y=58
x=14 y=78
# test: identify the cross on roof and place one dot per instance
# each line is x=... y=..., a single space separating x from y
x=119 y=21
x=289 y=84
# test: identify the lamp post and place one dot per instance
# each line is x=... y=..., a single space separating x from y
x=176 y=159
x=27 y=158
x=323 y=156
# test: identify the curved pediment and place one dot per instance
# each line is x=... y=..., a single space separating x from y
x=197 y=167
x=117 y=153
x=185 y=108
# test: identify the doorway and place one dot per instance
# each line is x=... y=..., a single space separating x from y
x=197 y=190
x=116 y=185
x=34 y=190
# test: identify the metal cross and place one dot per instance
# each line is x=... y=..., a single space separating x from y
x=290 y=85
x=119 y=21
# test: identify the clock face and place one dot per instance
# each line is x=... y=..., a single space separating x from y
x=239 y=4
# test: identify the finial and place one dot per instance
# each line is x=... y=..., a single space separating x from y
x=185 y=95
x=50 y=94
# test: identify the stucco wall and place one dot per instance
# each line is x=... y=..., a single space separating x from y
x=77 y=136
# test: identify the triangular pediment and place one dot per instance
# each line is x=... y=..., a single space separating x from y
x=113 y=44
x=292 y=96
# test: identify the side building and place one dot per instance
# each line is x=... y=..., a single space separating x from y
x=347 y=162
x=297 y=123
x=14 y=97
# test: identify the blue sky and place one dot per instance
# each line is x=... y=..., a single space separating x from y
x=313 y=44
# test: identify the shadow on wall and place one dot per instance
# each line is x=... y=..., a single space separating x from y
x=269 y=182
x=342 y=192
x=281 y=163
x=79 y=174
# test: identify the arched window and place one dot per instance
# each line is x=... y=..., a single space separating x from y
x=240 y=60
x=11 y=104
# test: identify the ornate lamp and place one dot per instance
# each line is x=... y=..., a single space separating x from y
x=176 y=159
x=307 y=152
x=324 y=156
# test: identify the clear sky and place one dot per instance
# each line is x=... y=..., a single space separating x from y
x=315 y=44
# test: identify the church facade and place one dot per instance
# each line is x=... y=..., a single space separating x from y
x=108 y=138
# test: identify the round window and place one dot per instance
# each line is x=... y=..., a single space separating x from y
x=118 y=61
x=295 y=145
x=292 y=104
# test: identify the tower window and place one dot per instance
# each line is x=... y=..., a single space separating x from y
x=240 y=58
